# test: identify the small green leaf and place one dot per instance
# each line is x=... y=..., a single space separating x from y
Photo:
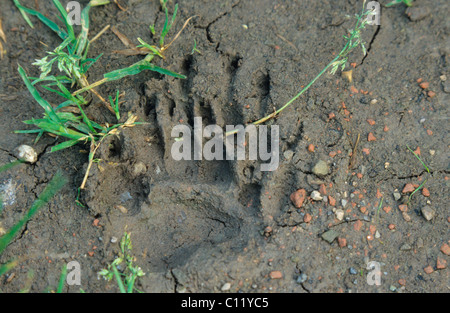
x=64 y=145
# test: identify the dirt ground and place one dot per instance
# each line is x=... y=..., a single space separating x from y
x=198 y=225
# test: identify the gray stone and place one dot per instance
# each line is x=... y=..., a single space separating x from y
x=302 y=278
x=330 y=235
x=419 y=243
x=405 y=247
x=428 y=213
x=226 y=287
x=353 y=271
x=288 y=154
x=397 y=195
x=340 y=214
x=321 y=168
x=316 y=196
x=446 y=85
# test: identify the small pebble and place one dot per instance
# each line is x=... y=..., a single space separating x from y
x=406 y=216
x=298 y=197
x=321 y=168
x=330 y=235
x=288 y=154
x=316 y=196
x=276 y=275
x=353 y=271
x=340 y=214
x=26 y=154
x=139 y=168
x=366 y=218
x=113 y=239
x=428 y=213
x=419 y=243
x=405 y=247
x=302 y=278
x=226 y=287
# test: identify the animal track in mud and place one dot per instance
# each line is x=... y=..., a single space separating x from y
x=173 y=208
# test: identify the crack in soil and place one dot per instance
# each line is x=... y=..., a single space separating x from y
x=208 y=35
x=370 y=44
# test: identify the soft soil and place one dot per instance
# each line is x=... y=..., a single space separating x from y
x=196 y=225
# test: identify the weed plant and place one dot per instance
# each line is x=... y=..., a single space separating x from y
x=127 y=277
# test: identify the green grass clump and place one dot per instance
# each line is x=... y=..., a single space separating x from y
x=76 y=128
x=68 y=119
x=129 y=273
x=71 y=55
x=150 y=51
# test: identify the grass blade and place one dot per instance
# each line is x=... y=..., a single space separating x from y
x=8 y=266
x=137 y=68
x=416 y=190
x=24 y=15
x=418 y=158
x=64 y=145
x=119 y=279
x=83 y=37
x=43 y=103
x=49 y=23
x=63 y=13
x=62 y=279
x=9 y=165
x=167 y=25
x=53 y=187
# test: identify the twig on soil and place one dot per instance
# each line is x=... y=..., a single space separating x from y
x=354 y=152
x=3 y=37
x=2 y=33
x=100 y=33
x=288 y=42
x=119 y=6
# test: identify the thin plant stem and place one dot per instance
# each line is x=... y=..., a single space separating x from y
x=344 y=52
x=62 y=279
x=119 y=279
